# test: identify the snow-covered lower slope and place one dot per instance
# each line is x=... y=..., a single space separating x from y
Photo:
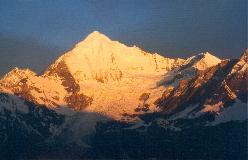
x=237 y=112
x=18 y=116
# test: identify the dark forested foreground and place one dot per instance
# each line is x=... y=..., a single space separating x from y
x=225 y=141
x=114 y=140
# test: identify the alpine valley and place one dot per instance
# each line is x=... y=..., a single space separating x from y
x=105 y=100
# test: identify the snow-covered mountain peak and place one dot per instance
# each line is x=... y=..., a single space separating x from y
x=16 y=74
x=209 y=56
x=95 y=37
x=202 y=61
x=101 y=59
x=206 y=56
x=190 y=68
x=109 y=75
x=17 y=70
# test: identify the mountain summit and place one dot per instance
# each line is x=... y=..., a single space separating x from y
x=96 y=36
x=99 y=58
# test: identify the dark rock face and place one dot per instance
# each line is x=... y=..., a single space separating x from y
x=105 y=76
x=21 y=87
x=238 y=81
x=63 y=72
x=75 y=100
x=143 y=106
x=208 y=87
x=24 y=90
x=177 y=77
x=144 y=97
x=78 y=101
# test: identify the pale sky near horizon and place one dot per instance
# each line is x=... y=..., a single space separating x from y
x=33 y=33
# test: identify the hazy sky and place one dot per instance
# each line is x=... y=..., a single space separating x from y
x=34 y=32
